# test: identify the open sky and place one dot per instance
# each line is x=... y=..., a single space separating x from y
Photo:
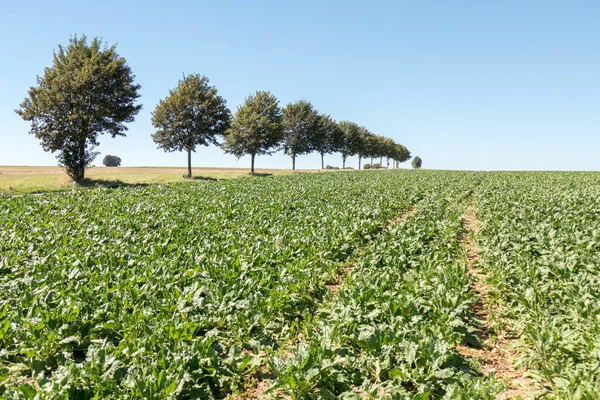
x=481 y=85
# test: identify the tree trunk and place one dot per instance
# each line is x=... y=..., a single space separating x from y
x=252 y=163
x=359 y=162
x=79 y=172
x=322 y=161
x=371 y=161
x=189 y=174
x=343 y=162
x=381 y=161
x=387 y=164
x=293 y=162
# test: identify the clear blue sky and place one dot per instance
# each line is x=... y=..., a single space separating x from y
x=464 y=84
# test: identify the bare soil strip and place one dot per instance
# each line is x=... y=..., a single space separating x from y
x=497 y=355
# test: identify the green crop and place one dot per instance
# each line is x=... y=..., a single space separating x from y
x=393 y=327
x=541 y=245
x=168 y=291
x=202 y=289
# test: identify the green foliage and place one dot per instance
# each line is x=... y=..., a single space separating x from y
x=367 y=166
x=168 y=290
x=300 y=124
x=193 y=114
x=111 y=161
x=368 y=145
x=89 y=90
x=328 y=138
x=257 y=127
x=352 y=140
x=417 y=162
x=193 y=290
x=400 y=153
x=540 y=244
x=376 y=166
x=393 y=326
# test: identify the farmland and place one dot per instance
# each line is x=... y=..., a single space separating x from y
x=24 y=180
x=345 y=285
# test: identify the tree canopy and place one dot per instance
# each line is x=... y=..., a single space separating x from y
x=257 y=127
x=193 y=114
x=417 y=162
x=299 y=125
x=88 y=91
x=328 y=137
x=352 y=140
x=111 y=161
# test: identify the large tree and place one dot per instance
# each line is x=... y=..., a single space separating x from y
x=257 y=127
x=352 y=140
x=299 y=125
x=193 y=114
x=89 y=90
x=328 y=138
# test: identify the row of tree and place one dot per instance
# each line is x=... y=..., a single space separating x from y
x=193 y=114
x=89 y=90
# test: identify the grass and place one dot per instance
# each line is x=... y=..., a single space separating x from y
x=16 y=180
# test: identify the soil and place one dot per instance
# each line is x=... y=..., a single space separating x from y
x=496 y=355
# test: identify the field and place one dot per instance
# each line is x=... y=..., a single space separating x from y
x=371 y=284
x=23 y=180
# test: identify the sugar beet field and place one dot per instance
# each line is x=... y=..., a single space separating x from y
x=351 y=285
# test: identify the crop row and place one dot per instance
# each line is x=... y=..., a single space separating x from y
x=170 y=290
x=540 y=244
x=393 y=327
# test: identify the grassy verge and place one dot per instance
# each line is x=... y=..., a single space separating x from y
x=16 y=180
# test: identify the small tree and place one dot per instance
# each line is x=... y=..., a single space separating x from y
x=329 y=137
x=352 y=140
x=417 y=162
x=193 y=114
x=88 y=91
x=111 y=161
x=257 y=127
x=299 y=125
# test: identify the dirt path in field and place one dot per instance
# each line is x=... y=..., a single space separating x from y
x=496 y=354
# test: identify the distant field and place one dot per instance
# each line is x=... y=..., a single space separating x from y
x=24 y=179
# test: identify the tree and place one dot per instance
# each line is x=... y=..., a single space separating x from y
x=389 y=148
x=111 y=161
x=299 y=125
x=328 y=137
x=193 y=114
x=368 y=146
x=257 y=127
x=352 y=140
x=381 y=148
x=88 y=91
x=401 y=154
x=417 y=162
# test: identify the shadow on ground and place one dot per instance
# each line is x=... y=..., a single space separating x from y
x=203 y=178
x=109 y=183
